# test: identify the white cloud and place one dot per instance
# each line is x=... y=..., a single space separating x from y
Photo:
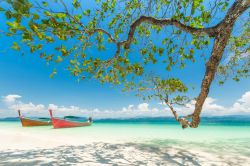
x=245 y=99
x=11 y=98
x=27 y=106
x=52 y=106
x=210 y=108
x=143 y=107
x=242 y=105
x=210 y=105
x=13 y=102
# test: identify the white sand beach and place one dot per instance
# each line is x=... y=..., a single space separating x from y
x=79 y=146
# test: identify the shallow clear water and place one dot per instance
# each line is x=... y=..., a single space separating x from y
x=211 y=138
x=146 y=130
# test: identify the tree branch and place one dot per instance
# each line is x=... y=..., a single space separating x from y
x=163 y=22
x=105 y=32
x=183 y=121
x=224 y=31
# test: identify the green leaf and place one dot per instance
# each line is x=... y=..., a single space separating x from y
x=47 y=13
x=35 y=16
x=61 y=15
x=2 y=9
x=32 y=49
x=45 y=4
x=49 y=39
x=53 y=73
x=59 y=59
x=76 y=4
x=86 y=12
x=160 y=51
x=15 y=46
x=8 y=14
x=221 y=82
x=13 y=24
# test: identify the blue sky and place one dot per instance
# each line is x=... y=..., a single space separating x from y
x=28 y=77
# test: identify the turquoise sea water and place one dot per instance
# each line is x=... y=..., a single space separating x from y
x=216 y=135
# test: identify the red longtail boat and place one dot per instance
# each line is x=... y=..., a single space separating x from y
x=27 y=122
x=62 y=123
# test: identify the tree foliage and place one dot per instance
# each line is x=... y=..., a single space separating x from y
x=237 y=64
x=185 y=28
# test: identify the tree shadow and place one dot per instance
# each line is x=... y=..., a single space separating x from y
x=102 y=154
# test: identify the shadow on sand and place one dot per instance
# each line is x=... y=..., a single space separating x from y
x=109 y=154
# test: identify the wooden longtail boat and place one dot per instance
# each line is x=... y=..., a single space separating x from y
x=62 y=123
x=27 y=122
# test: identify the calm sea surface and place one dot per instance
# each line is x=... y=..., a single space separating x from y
x=218 y=134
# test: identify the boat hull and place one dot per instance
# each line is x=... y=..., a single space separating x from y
x=30 y=122
x=59 y=123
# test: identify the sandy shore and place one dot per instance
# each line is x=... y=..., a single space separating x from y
x=116 y=154
x=59 y=147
